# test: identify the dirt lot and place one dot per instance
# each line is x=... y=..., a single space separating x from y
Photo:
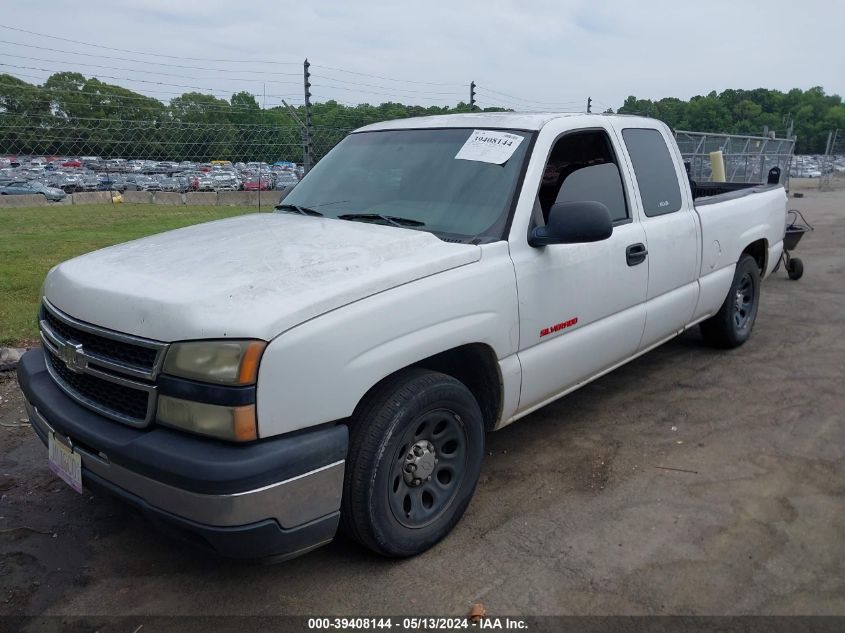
x=579 y=510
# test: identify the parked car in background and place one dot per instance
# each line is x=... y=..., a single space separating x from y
x=175 y=185
x=226 y=182
x=91 y=173
x=69 y=183
x=193 y=179
x=254 y=183
x=205 y=183
x=131 y=181
x=286 y=180
x=149 y=184
x=33 y=187
x=90 y=182
x=112 y=183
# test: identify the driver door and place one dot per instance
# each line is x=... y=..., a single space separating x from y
x=582 y=306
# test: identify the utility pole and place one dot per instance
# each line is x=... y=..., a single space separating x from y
x=471 y=96
x=306 y=139
x=589 y=104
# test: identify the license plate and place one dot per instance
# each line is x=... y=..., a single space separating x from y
x=65 y=463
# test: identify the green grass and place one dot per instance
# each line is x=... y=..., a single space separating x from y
x=33 y=240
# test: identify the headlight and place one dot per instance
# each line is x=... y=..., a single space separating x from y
x=222 y=362
x=227 y=423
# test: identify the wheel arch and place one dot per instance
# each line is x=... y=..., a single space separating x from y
x=759 y=250
x=475 y=365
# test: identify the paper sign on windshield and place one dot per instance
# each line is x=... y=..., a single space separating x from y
x=489 y=146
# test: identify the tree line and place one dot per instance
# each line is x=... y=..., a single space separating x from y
x=70 y=114
x=808 y=114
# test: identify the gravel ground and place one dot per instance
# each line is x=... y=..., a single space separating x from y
x=691 y=481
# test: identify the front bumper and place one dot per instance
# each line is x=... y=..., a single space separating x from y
x=277 y=498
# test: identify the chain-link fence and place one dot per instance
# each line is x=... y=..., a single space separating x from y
x=161 y=140
x=832 y=164
x=747 y=158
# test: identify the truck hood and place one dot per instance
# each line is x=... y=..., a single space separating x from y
x=253 y=276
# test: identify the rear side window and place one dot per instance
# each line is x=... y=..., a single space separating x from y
x=656 y=176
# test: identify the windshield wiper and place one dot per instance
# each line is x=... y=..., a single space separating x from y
x=389 y=219
x=298 y=209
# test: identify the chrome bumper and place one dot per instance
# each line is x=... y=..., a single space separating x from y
x=292 y=502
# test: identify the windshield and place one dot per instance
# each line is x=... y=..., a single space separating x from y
x=414 y=175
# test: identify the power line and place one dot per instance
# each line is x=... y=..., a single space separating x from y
x=382 y=94
x=437 y=95
x=603 y=105
x=239 y=61
x=524 y=107
x=496 y=97
x=105 y=95
x=149 y=72
x=528 y=101
x=354 y=83
x=374 y=92
x=146 y=61
x=158 y=123
x=162 y=55
x=131 y=98
x=145 y=81
x=331 y=68
x=383 y=78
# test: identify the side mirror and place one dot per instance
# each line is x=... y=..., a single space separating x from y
x=573 y=223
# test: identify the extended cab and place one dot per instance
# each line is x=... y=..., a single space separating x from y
x=257 y=381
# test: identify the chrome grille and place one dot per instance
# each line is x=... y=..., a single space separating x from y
x=125 y=401
x=135 y=356
x=107 y=371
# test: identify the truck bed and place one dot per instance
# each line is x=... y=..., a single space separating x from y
x=714 y=192
x=729 y=218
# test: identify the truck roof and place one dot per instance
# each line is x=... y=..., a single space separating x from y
x=487 y=120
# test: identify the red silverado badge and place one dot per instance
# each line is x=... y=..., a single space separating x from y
x=558 y=327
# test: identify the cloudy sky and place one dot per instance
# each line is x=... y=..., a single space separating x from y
x=529 y=55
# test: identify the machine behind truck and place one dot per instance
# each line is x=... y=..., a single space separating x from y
x=258 y=382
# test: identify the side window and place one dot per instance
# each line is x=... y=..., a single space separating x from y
x=582 y=167
x=656 y=176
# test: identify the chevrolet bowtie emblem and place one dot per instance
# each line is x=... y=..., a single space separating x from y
x=73 y=356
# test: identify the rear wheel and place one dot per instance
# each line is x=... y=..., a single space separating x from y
x=414 y=459
x=731 y=326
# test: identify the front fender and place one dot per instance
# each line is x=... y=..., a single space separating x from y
x=318 y=371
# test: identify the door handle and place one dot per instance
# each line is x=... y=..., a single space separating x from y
x=635 y=254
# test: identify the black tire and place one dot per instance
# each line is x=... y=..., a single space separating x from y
x=731 y=326
x=383 y=507
x=795 y=270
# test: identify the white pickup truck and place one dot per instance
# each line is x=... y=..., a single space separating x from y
x=254 y=383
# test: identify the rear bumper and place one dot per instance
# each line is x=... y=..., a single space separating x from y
x=274 y=498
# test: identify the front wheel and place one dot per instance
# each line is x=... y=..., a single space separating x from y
x=415 y=455
x=731 y=326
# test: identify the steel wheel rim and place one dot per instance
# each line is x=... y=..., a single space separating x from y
x=416 y=506
x=744 y=301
